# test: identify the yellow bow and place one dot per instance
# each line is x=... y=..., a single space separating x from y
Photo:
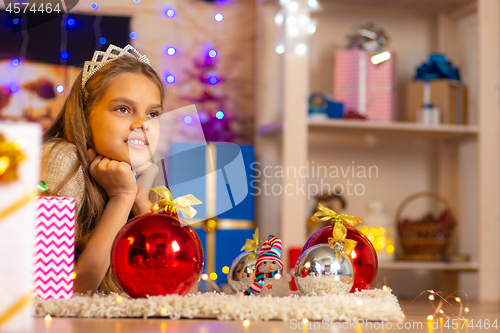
x=339 y=234
x=252 y=245
x=326 y=214
x=182 y=204
x=10 y=157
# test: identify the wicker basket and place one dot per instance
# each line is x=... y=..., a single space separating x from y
x=425 y=238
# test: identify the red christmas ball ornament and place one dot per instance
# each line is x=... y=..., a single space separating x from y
x=154 y=254
x=363 y=257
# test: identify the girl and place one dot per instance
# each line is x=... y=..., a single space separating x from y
x=100 y=142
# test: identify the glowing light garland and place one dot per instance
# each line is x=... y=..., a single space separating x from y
x=294 y=22
x=441 y=309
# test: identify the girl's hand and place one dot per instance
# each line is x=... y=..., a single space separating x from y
x=115 y=177
x=147 y=174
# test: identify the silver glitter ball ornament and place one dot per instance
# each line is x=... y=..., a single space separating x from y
x=323 y=270
x=241 y=273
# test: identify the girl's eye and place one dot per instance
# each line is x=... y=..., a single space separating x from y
x=154 y=114
x=122 y=109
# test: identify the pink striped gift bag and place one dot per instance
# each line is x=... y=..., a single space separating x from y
x=367 y=88
x=54 y=248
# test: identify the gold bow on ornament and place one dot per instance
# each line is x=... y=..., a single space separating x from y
x=326 y=214
x=252 y=245
x=182 y=204
x=339 y=234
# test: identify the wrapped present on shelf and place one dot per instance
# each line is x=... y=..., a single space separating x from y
x=437 y=84
x=449 y=96
x=19 y=174
x=54 y=247
x=220 y=175
x=366 y=87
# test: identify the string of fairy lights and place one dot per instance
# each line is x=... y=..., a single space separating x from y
x=294 y=25
x=68 y=23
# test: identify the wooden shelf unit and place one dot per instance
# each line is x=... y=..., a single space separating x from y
x=363 y=127
x=472 y=266
x=285 y=134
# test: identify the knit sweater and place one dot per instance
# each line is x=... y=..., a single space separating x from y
x=56 y=164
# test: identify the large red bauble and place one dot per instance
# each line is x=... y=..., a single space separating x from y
x=153 y=254
x=363 y=257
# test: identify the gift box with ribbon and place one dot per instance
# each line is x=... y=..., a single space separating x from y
x=368 y=88
x=19 y=173
x=437 y=84
x=54 y=247
x=449 y=96
x=220 y=175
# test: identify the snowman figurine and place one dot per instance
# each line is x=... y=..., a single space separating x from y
x=269 y=279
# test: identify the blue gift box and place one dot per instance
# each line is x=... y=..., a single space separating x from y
x=223 y=245
x=220 y=175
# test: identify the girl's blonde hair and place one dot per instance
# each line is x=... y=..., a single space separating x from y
x=72 y=125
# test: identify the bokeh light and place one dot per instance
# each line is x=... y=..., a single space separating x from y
x=171 y=51
x=170 y=79
x=170 y=12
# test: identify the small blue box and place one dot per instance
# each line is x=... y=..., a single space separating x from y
x=334 y=109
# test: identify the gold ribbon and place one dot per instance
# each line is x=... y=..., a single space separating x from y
x=339 y=235
x=20 y=304
x=210 y=225
x=10 y=157
x=226 y=224
x=326 y=214
x=251 y=245
x=15 y=308
x=18 y=204
x=182 y=204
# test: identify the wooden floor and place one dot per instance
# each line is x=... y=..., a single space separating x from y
x=416 y=321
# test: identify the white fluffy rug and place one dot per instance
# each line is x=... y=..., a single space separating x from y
x=373 y=305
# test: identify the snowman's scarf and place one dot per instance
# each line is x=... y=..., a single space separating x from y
x=259 y=282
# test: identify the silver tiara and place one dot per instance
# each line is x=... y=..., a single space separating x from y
x=100 y=59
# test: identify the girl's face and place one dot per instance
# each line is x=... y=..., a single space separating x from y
x=131 y=103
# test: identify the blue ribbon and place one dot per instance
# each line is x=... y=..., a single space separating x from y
x=437 y=67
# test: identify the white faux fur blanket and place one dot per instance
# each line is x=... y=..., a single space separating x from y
x=373 y=305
